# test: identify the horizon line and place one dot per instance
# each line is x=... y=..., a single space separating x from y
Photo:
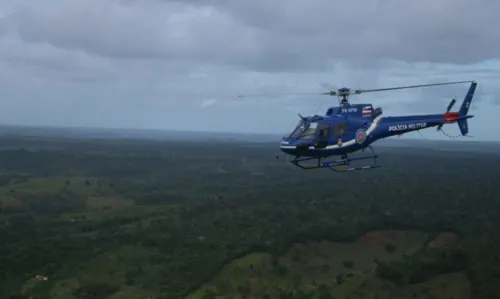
x=278 y=135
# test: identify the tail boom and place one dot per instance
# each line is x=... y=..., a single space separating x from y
x=399 y=125
x=453 y=117
x=391 y=126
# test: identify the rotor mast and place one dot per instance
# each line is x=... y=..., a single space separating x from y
x=343 y=96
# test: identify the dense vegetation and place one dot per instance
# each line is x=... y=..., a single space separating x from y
x=142 y=218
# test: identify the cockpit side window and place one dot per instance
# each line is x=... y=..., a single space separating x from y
x=340 y=129
x=310 y=131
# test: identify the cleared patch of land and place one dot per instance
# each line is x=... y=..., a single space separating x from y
x=96 y=202
x=454 y=285
x=113 y=268
x=443 y=240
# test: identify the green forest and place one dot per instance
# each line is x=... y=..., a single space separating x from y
x=132 y=219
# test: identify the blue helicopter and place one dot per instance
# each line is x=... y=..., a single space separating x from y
x=347 y=129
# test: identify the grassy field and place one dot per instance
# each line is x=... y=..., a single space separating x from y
x=35 y=187
x=111 y=268
x=345 y=270
x=342 y=270
x=97 y=202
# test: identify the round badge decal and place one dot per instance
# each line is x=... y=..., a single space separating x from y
x=360 y=136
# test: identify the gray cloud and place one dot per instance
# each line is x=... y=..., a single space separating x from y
x=453 y=31
x=270 y=35
x=46 y=61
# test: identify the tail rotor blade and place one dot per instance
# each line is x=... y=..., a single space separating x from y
x=450 y=105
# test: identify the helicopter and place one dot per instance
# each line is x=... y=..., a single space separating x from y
x=349 y=128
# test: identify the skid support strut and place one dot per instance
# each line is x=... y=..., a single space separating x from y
x=340 y=165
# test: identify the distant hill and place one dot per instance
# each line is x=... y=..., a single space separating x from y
x=113 y=133
x=172 y=135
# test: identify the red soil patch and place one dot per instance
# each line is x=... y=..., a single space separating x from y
x=10 y=203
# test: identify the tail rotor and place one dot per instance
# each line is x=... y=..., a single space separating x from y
x=448 y=109
x=462 y=115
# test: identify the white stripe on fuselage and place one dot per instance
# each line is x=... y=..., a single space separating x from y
x=370 y=130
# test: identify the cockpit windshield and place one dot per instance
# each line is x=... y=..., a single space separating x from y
x=304 y=130
x=299 y=128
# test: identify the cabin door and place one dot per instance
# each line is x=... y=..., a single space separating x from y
x=340 y=131
x=323 y=135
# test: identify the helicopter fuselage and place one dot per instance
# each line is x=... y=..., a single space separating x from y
x=350 y=128
x=358 y=134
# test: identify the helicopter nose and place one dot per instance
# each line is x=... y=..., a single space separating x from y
x=302 y=146
x=294 y=147
x=289 y=151
x=287 y=146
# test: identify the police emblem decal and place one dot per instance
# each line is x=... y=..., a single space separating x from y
x=360 y=136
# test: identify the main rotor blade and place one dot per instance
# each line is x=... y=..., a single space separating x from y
x=328 y=86
x=358 y=91
x=277 y=94
x=332 y=91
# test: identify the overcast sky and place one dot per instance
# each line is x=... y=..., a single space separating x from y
x=181 y=64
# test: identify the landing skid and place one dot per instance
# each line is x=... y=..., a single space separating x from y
x=339 y=165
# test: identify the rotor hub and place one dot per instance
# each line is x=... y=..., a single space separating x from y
x=343 y=94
